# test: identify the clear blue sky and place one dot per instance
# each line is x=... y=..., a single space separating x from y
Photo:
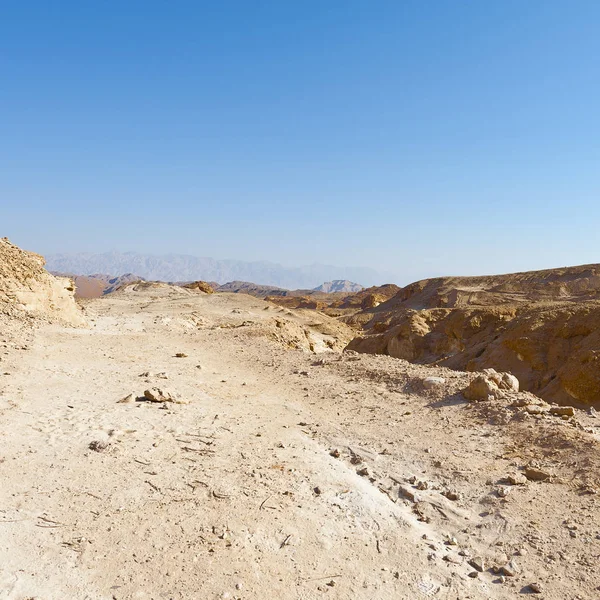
x=418 y=137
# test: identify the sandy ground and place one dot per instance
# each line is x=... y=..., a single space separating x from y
x=287 y=475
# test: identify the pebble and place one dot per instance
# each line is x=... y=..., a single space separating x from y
x=536 y=588
x=126 y=399
x=517 y=479
x=503 y=492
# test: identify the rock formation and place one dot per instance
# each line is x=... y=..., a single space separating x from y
x=540 y=326
x=28 y=290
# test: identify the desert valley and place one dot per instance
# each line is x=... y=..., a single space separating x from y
x=196 y=440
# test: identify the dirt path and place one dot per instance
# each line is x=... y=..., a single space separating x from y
x=287 y=475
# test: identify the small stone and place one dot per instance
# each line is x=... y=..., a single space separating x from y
x=317 y=491
x=451 y=558
x=562 y=411
x=517 y=479
x=126 y=399
x=98 y=445
x=422 y=485
x=473 y=574
x=158 y=395
x=510 y=569
x=331 y=583
x=478 y=563
x=335 y=453
x=536 y=588
x=364 y=472
x=181 y=355
x=452 y=541
x=451 y=495
x=503 y=492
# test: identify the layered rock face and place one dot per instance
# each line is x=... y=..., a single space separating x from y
x=544 y=327
x=27 y=289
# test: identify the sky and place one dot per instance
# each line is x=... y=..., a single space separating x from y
x=421 y=138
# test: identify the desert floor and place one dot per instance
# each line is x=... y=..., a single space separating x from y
x=285 y=474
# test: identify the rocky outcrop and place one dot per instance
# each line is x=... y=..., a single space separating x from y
x=200 y=286
x=27 y=289
x=541 y=326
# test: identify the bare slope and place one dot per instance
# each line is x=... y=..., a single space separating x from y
x=542 y=326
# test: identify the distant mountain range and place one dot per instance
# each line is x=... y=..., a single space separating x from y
x=179 y=267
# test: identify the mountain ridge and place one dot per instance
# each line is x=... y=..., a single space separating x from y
x=183 y=267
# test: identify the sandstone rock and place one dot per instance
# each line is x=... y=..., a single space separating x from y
x=200 y=286
x=535 y=474
x=517 y=479
x=509 y=382
x=478 y=563
x=158 y=395
x=481 y=388
x=561 y=411
x=510 y=569
x=28 y=290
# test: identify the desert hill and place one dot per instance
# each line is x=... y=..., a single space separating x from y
x=543 y=326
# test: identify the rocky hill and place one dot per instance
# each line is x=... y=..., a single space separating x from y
x=542 y=326
x=28 y=290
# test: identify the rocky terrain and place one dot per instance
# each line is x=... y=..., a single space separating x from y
x=193 y=445
x=542 y=326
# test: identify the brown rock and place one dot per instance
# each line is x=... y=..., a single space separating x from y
x=561 y=411
x=158 y=395
x=534 y=474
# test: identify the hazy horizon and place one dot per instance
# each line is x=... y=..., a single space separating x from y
x=415 y=139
